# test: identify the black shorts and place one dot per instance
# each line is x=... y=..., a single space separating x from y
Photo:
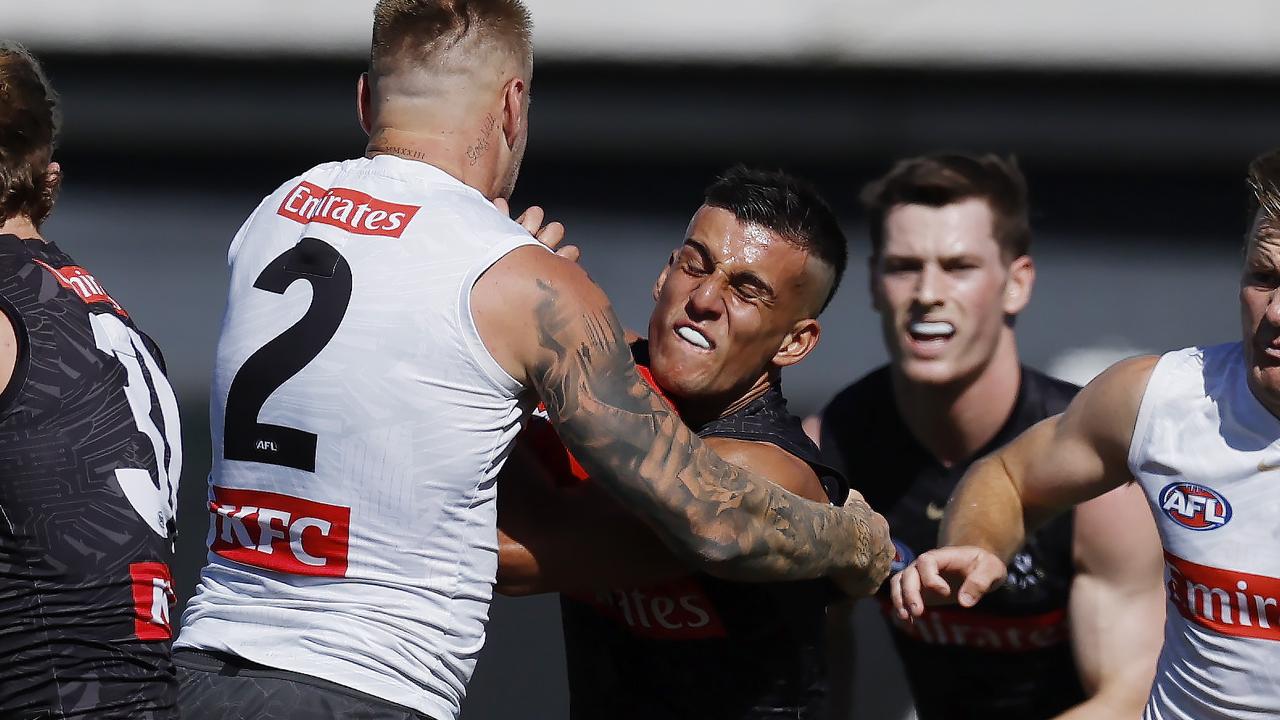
x=218 y=686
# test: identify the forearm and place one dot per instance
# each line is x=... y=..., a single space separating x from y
x=724 y=520
x=986 y=510
x=728 y=521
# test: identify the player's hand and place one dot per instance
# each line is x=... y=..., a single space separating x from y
x=931 y=579
x=551 y=234
x=865 y=581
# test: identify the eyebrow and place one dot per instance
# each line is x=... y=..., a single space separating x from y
x=741 y=277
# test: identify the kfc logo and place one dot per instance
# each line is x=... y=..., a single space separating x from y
x=279 y=532
x=82 y=284
x=350 y=210
x=152 y=599
x=1195 y=507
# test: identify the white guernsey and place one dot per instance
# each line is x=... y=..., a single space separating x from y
x=352 y=533
x=1206 y=453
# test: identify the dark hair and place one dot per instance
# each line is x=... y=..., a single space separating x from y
x=28 y=128
x=788 y=206
x=938 y=180
x=424 y=30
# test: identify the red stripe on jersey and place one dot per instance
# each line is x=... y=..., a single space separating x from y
x=1225 y=601
x=981 y=631
x=348 y=209
x=280 y=532
x=152 y=600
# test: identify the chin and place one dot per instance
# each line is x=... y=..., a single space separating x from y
x=929 y=372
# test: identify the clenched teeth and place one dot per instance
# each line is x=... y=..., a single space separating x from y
x=693 y=336
x=932 y=329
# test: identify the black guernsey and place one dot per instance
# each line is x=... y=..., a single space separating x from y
x=1010 y=656
x=89 y=455
x=700 y=647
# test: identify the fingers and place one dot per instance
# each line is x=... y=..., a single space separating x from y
x=551 y=235
x=503 y=206
x=569 y=252
x=531 y=220
x=895 y=592
x=985 y=573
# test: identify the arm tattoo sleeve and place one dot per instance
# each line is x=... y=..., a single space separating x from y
x=728 y=521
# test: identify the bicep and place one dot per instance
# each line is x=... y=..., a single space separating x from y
x=1117 y=596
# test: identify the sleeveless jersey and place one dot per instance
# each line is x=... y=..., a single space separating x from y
x=90 y=454
x=358 y=424
x=1206 y=453
x=1010 y=656
x=701 y=647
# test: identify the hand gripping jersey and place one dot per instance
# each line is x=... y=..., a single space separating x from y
x=358 y=427
x=1010 y=656
x=700 y=647
x=90 y=454
x=1207 y=454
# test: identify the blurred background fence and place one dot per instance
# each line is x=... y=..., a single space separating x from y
x=1133 y=122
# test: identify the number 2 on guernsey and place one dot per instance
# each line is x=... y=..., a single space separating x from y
x=243 y=437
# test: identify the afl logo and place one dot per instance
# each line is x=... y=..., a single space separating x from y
x=902 y=557
x=1195 y=507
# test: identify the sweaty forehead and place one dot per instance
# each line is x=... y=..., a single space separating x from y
x=742 y=245
x=959 y=228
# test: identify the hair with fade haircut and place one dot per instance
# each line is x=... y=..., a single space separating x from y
x=426 y=31
x=29 y=124
x=791 y=207
x=1264 y=181
x=943 y=179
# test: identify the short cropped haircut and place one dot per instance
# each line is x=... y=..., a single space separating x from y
x=940 y=180
x=425 y=31
x=29 y=123
x=788 y=206
x=1264 y=181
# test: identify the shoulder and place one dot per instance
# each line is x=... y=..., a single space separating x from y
x=1106 y=410
x=764 y=458
x=13 y=256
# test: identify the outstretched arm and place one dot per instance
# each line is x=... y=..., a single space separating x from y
x=549 y=325
x=1054 y=465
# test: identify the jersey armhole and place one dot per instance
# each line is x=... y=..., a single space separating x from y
x=22 y=365
x=1143 y=424
x=484 y=360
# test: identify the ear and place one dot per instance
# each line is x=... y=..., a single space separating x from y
x=1017 y=288
x=514 y=100
x=364 y=103
x=662 y=276
x=798 y=343
x=873 y=283
x=52 y=178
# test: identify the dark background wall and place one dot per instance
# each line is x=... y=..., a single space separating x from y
x=1137 y=186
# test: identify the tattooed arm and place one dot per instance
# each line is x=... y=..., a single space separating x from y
x=550 y=327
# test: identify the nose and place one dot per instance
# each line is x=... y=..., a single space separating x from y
x=707 y=299
x=929 y=285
